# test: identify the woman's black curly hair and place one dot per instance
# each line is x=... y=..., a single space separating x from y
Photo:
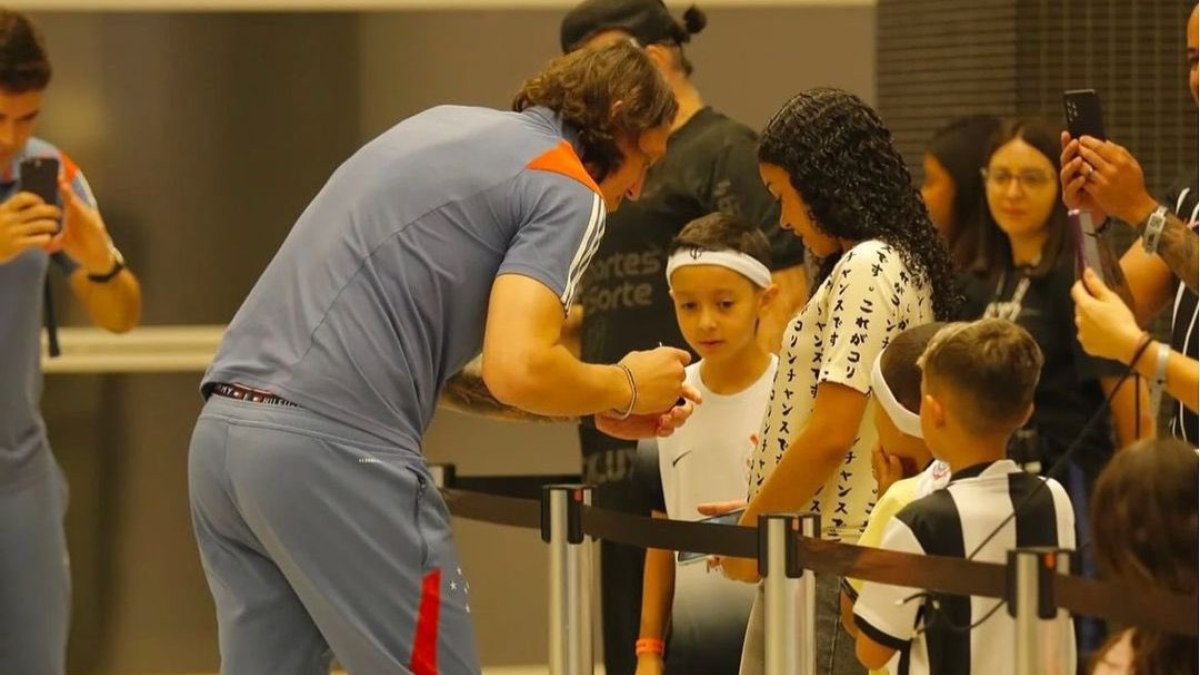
x=840 y=159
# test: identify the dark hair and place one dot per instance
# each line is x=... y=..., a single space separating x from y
x=694 y=21
x=898 y=363
x=583 y=87
x=988 y=248
x=723 y=232
x=24 y=65
x=992 y=366
x=841 y=160
x=1144 y=525
x=961 y=147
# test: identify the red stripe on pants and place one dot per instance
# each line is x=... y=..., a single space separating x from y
x=425 y=641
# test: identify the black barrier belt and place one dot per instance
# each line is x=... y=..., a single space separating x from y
x=512 y=511
x=525 y=487
x=1120 y=601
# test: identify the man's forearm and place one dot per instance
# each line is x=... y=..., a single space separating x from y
x=466 y=392
x=1177 y=246
x=115 y=305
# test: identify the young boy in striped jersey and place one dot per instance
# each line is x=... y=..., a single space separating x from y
x=977 y=388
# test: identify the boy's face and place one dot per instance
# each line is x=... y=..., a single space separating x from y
x=717 y=309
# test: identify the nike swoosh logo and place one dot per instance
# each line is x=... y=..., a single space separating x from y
x=676 y=460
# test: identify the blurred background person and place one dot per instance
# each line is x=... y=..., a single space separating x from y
x=35 y=582
x=952 y=187
x=1145 y=533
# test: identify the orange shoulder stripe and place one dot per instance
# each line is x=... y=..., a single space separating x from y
x=561 y=159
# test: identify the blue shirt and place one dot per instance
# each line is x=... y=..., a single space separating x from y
x=22 y=288
x=380 y=291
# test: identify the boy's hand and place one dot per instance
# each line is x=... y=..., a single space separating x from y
x=886 y=468
x=738 y=569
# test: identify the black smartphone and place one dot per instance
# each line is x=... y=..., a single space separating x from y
x=1087 y=248
x=730 y=518
x=1082 y=107
x=39 y=176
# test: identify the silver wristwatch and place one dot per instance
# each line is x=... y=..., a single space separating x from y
x=1152 y=232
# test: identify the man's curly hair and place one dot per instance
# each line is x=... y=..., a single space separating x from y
x=584 y=87
x=841 y=160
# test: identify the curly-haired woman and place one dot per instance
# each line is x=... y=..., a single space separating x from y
x=844 y=189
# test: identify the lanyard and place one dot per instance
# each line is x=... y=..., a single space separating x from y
x=1010 y=310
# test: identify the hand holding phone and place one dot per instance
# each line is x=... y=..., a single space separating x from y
x=39 y=176
x=729 y=518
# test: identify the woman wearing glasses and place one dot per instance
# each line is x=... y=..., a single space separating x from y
x=1022 y=270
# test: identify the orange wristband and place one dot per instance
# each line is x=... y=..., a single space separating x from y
x=648 y=646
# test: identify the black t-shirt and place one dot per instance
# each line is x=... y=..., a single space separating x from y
x=1183 y=199
x=711 y=165
x=1069 y=391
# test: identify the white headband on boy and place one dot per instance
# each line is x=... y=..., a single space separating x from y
x=905 y=420
x=739 y=262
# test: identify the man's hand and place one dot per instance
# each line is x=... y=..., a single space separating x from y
x=1073 y=177
x=1106 y=326
x=658 y=375
x=1114 y=180
x=637 y=427
x=84 y=237
x=25 y=222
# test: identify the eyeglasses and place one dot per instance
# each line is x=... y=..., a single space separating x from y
x=1001 y=179
x=1029 y=180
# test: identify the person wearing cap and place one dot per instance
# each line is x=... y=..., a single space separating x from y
x=459 y=230
x=710 y=166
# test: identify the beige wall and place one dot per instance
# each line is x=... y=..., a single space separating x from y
x=204 y=136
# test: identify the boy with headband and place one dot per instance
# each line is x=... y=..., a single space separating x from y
x=903 y=466
x=720 y=283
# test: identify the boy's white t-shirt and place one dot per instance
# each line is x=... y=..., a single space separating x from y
x=707 y=460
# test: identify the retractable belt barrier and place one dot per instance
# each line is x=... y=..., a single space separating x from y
x=1128 y=603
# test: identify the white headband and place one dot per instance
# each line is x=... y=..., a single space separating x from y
x=739 y=262
x=905 y=420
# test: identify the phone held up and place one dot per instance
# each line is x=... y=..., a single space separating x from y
x=39 y=176
x=1082 y=108
x=729 y=518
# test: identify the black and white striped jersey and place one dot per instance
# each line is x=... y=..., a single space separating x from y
x=955 y=521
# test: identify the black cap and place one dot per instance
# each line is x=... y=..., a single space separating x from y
x=648 y=21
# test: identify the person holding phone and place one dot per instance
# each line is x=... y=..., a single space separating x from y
x=718 y=271
x=47 y=215
x=1162 y=267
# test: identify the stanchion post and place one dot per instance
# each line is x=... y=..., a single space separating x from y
x=443 y=475
x=1044 y=640
x=570 y=578
x=788 y=607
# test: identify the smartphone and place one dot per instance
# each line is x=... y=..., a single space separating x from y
x=730 y=518
x=39 y=175
x=1087 y=245
x=1082 y=107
